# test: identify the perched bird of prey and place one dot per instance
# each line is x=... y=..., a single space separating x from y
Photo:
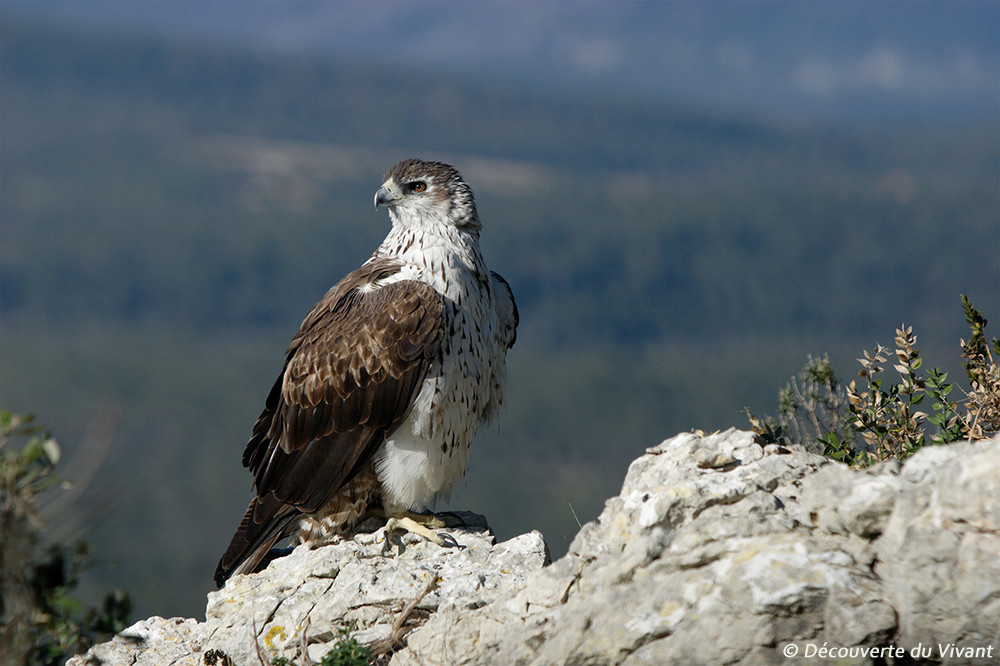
x=387 y=379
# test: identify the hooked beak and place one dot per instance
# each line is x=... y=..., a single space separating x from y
x=387 y=195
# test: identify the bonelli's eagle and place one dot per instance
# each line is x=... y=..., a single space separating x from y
x=387 y=379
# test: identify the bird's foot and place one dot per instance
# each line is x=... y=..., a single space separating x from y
x=423 y=525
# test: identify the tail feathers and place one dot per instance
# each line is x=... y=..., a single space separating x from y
x=263 y=525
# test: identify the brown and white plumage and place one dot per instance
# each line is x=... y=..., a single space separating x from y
x=387 y=379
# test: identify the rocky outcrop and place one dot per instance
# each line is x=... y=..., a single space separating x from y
x=299 y=604
x=718 y=550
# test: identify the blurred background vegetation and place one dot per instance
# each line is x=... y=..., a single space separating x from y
x=687 y=199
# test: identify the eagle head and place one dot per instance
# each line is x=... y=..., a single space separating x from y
x=419 y=193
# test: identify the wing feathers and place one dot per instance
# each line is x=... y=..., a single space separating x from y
x=507 y=307
x=350 y=376
x=262 y=526
x=329 y=387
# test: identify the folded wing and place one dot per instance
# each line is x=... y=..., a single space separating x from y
x=350 y=376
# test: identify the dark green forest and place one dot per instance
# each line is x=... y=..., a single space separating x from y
x=170 y=211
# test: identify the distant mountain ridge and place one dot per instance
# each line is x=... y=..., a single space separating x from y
x=868 y=62
x=318 y=99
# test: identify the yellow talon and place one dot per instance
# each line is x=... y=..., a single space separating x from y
x=419 y=524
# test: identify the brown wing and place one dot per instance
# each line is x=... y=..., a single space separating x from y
x=507 y=307
x=350 y=375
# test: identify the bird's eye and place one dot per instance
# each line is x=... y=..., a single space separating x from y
x=418 y=186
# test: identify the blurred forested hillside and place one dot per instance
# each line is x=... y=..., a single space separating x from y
x=170 y=210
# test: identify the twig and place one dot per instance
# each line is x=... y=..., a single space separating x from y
x=396 y=634
x=578 y=523
x=253 y=625
x=303 y=644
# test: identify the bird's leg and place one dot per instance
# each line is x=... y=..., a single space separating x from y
x=421 y=524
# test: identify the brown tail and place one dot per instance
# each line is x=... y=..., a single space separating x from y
x=263 y=525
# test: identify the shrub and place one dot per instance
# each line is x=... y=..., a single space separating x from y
x=41 y=623
x=881 y=421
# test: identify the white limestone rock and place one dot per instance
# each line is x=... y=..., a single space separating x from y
x=717 y=550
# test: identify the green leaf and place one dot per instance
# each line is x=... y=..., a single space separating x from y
x=32 y=451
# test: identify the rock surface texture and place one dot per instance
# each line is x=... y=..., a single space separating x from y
x=717 y=551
